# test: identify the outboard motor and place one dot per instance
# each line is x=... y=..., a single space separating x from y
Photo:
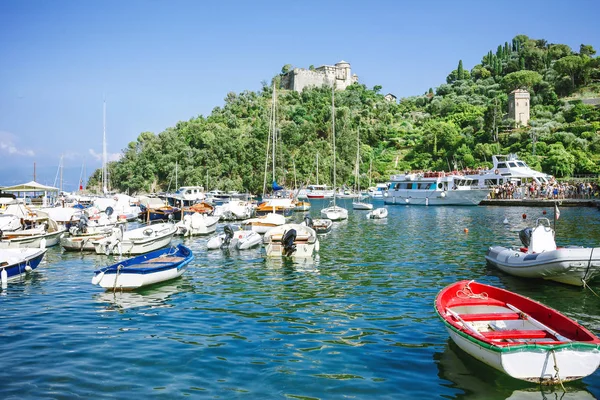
x=308 y=221
x=525 y=236
x=228 y=236
x=287 y=241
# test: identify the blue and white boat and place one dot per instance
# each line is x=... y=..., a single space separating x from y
x=19 y=261
x=146 y=269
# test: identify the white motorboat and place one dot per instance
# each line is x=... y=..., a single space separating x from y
x=434 y=188
x=238 y=239
x=540 y=258
x=360 y=205
x=322 y=225
x=196 y=224
x=83 y=241
x=136 y=241
x=378 y=213
x=291 y=240
x=43 y=232
x=264 y=223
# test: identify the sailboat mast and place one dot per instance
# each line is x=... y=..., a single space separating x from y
x=333 y=134
x=317 y=168
x=273 y=116
x=176 y=181
x=357 y=162
x=104 y=177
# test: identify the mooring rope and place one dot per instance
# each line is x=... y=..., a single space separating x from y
x=467 y=293
x=556 y=369
x=117 y=277
x=585 y=285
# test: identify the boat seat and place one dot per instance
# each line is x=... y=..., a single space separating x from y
x=490 y=316
x=517 y=334
x=459 y=302
x=164 y=260
x=299 y=238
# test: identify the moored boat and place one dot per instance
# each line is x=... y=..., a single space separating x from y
x=264 y=223
x=322 y=225
x=196 y=224
x=541 y=258
x=517 y=335
x=146 y=269
x=16 y=262
x=136 y=241
x=378 y=213
x=291 y=240
x=83 y=241
x=234 y=239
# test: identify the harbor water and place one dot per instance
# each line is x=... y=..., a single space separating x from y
x=357 y=322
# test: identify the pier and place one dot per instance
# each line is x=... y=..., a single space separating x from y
x=541 y=202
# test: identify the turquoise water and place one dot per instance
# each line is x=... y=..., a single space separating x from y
x=357 y=323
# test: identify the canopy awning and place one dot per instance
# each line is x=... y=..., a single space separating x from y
x=31 y=186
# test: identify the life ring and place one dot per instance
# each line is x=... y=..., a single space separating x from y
x=497 y=172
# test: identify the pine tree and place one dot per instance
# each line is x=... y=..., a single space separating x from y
x=460 y=71
x=499 y=52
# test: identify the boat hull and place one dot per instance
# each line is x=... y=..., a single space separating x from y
x=148 y=269
x=18 y=262
x=137 y=241
x=305 y=243
x=34 y=241
x=470 y=197
x=569 y=265
x=534 y=364
x=334 y=213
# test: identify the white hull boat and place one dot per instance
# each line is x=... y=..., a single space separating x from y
x=31 y=238
x=238 y=240
x=197 y=224
x=144 y=270
x=334 y=213
x=378 y=213
x=82 y=242
x=322 y=225
x=263 y=224
x=137 y=241
x=516 y=335
x=291 y=240
x=542 y=259
x=359 y=205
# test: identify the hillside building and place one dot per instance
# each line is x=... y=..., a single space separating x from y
x=338 y=74
x=518 y=106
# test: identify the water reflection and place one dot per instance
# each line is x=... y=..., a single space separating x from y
x=473 y=379
x=155 y=296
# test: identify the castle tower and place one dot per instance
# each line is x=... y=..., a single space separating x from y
x=338 y=74
x=518 y=106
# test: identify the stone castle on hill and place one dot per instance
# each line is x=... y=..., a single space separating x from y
x=338 y=74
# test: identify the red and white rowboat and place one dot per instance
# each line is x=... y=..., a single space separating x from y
x=517 y=335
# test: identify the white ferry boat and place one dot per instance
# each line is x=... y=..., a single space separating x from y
x=506 y=168
x=433 y=189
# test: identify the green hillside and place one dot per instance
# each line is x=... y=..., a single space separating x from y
x=460 y=124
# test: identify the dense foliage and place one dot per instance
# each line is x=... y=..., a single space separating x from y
x=460 y=124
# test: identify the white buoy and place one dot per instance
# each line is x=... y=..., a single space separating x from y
x=28 y=268
x=443 y=194
x=426 y=201
x=4 y=278
x=505 y=220
x=406 y=200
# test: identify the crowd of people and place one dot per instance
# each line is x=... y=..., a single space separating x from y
x=551 y=190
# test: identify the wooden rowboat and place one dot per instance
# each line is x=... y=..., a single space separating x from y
x=146 y=269
x=517 y=335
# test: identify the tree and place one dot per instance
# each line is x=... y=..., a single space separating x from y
x=570 y=65
x=521 y=79
x=286 y=68
x=586 y=50
x=460 y=72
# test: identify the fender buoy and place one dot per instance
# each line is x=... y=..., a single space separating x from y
x=497 y=172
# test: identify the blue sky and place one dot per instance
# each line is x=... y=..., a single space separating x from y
x=159 y=62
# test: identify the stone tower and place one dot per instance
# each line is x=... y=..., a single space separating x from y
x=518 y=106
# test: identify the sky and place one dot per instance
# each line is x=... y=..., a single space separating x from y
x=155 y=63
